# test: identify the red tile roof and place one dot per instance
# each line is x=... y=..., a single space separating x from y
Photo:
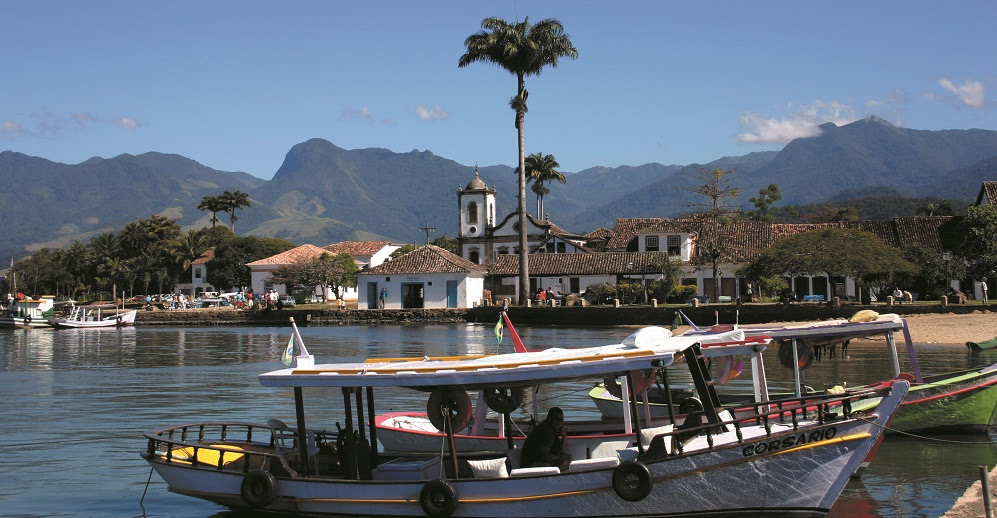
x=356 y=248
x=426 y=259
x=294 y=255
x=206 y=257
x=990 y=190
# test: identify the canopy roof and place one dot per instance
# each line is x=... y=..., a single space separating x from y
x=648 y=347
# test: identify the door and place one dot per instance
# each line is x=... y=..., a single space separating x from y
x=371 y=295
x=451 y=294
x=412 y=295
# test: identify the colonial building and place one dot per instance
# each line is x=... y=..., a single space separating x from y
x=198 y=276
x=427 y=277
x=261 y=270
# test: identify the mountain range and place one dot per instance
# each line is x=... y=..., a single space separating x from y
x=323 y=194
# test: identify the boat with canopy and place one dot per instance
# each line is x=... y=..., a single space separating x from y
x=700 y=467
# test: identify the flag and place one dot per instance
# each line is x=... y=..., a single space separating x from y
x=288 y=355
x=498 y=331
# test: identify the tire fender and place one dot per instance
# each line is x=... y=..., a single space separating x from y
x=438 y=499
x=632 y=480
x=259 y=488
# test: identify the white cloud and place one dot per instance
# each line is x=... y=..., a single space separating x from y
x=427 y=114
x=971 y=93
x=352 y=113
x=11 y=130
x=803 y=121
x=126 y=123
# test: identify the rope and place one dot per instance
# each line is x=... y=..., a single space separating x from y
x=923 y=437
x=140 y=500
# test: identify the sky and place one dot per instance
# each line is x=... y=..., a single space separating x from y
x=235 y=84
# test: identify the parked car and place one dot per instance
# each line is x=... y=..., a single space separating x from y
x=287 y=301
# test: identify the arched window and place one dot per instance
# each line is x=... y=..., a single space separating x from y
x=472 y=213
x=473 y=257
x=503 y=250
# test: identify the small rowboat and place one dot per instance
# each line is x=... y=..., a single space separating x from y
x=982 y=346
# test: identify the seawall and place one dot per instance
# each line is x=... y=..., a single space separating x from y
x=565 y=316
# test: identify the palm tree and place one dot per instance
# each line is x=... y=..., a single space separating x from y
x=188 y=247
x=523 y=50
x=235 y=200
x=942 y=209
x=133 y=237
x=540 y=170
x=214 y=205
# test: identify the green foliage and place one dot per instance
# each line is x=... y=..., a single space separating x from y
x=710 y=215
x=772 y=286
x=228 y=268
x=837 y=252
x=766 y=197
x=979 y=244
x=934 y=271
x=600 y=293
x=541 y=169
x=402 y=250
x=447 y=243
x=681 y=293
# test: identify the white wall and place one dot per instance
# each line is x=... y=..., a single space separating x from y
x=469 y=289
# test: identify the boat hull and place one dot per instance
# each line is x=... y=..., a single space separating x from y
x=122 y=319
x=961 y=403
x=23 y=323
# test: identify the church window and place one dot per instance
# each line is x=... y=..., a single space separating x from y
x=473 y=257
x=472 y=213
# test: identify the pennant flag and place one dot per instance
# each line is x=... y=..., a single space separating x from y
x=288 y=355
x=498 y=331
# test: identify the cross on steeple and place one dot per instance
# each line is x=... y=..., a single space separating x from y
x=427 y=229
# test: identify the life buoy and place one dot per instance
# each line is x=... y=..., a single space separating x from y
x=642 y=381
x=503 y=401
x=259 y=488
x=805 y=356
x=632 y=480
x=452 y=400
x=438 y=499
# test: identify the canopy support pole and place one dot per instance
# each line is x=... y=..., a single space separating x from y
x=299 y=410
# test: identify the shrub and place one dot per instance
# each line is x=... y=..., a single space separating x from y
x=682 y=293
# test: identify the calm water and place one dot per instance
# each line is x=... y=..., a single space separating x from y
x=76 y=402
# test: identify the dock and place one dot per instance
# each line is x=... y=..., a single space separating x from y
x=970 y=504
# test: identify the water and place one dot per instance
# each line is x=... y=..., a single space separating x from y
x=76 y=402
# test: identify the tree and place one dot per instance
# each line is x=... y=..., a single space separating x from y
x=402 y=250
x=934 y=271
x=766 y=197
x=709 y=223
x=447 y=243
x=942 y=209
x=233 y=200
x=836 y=252
x=521 y=49
x=214 y=205
x=187 y=247
x=540 y=169
x=978 y=246
x=328 y=271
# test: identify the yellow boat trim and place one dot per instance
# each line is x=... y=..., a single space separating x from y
x=833 y=440
x=392 y=369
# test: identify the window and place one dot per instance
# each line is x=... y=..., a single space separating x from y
x=472 y=213
x=674 y=245
x=651 y=243
x=561 y=248
x=197 y=273
x=550 y=247
x=473 y=257
x=503 y=250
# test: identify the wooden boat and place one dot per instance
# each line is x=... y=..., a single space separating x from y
x=98 y=315
x=982 y=346
x=29 y=313
x=955 y=402
x=686 y=470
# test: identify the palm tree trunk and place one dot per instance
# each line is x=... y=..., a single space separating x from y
x=524 y=267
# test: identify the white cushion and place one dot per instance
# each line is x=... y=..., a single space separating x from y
x=646 y=434
x=604 y=462
x=489 y=468
x=543 y=470
x=608 y=448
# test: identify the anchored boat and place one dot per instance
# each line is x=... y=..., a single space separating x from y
x=27 y=313
x=700 y=466
x=97 y=315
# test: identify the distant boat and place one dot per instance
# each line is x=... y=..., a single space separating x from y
x=28 y=313
x=95 y=316
x=982 y=346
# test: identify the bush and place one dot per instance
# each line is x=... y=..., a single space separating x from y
x=600 y=293
x=682 y=293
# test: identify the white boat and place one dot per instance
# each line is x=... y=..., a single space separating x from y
x=98 y=315
x=28 y=313
x=786 y=462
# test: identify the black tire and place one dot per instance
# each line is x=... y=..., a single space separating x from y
x=438 y=499
x=259 y=488
x=503 y=401
x=27 y=319
x=632 y=480
x=454 y=400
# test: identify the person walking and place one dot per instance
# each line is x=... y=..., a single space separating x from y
x=381 y=298
x=983 y=288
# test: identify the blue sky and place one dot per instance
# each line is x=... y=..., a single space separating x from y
x=235 y=84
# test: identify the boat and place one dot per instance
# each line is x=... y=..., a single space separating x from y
x=707 y=466
x=982 y=346
x=961 y=402
x=96 y=315
x=26 y=313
